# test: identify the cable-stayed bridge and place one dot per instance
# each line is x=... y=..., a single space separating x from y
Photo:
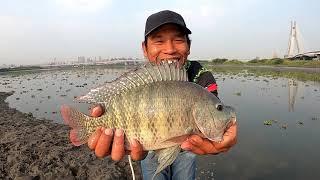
x=295 y=48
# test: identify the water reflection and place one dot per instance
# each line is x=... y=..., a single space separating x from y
x=293 y=89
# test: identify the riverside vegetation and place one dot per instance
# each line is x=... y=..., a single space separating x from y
x=275 y=68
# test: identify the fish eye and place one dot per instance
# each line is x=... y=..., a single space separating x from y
x=219 y=107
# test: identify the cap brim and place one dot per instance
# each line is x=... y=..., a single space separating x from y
x=186 y=30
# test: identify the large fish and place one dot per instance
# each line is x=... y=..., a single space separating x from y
x=156 y=105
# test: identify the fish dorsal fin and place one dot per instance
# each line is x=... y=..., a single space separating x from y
x=166 y=157
x=143 y=75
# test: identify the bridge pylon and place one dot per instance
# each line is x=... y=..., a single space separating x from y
x=294 y=46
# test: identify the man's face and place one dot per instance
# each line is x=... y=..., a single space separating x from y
x=166 y=43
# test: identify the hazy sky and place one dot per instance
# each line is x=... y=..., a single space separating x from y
x=36 y=31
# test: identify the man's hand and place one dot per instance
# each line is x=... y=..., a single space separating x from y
x=106 y=141
x=201 y=146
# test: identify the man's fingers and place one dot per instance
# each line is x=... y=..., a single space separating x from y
x=205 y=145
x=102 y=148
x=118 y=152
x=96 y=111
x=229 y=138
x=93 y=139
x=137 y=152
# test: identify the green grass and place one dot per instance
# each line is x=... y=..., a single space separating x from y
x=266 y=62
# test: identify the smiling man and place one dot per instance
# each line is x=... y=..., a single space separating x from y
x=166 y=39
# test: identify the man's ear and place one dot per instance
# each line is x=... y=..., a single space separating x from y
x=144 y=48
x=189 y=48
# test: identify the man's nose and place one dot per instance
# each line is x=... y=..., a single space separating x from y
x=170 y=48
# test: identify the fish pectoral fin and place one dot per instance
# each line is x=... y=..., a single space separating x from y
x=180 y=139
x=166 y=157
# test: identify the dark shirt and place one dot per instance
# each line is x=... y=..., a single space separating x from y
x=198 y=74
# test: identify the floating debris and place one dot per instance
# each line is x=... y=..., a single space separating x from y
x=238 y=93
x=300 y=122
x=284 y=126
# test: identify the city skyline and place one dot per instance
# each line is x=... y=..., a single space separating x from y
x=35 y=32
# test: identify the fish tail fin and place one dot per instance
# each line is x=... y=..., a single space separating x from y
x=76 y=120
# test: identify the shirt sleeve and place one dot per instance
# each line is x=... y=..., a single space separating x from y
x=200 y=75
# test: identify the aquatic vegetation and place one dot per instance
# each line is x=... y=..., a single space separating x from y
x=271 y=72
x=238 y=93
x=268 y=122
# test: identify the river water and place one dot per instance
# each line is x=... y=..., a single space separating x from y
x=286 y=149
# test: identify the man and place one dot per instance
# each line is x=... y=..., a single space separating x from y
x=166 y=38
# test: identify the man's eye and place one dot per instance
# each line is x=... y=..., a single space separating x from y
x=179 y=40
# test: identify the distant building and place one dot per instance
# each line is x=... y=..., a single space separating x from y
x=81 y=59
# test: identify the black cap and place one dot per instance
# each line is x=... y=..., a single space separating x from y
x=164 y=17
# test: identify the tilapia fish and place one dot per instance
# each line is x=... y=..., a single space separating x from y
x=156 y=105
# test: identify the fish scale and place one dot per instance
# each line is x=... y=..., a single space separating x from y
x=156 y=105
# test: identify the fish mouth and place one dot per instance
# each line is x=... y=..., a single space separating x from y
x=232 y=121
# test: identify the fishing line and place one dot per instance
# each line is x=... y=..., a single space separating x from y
x=131 y=167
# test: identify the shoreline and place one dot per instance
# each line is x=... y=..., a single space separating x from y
x=275 y=68
x=31 y=148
